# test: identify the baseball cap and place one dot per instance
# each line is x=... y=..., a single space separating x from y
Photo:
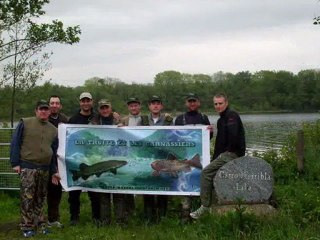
x=155 y=98
x=104 y=102
x=85 y=95
x=192 y=96
x=133 y=99
x=42 y=104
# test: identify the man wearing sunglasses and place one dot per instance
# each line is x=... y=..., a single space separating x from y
x=230 y=144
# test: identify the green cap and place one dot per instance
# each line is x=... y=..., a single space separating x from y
x=133 y=100
x=104 y=102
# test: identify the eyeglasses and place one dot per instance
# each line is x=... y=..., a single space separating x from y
x=218 y=103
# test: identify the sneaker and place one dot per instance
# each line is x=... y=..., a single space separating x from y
x=200 y=211
x=28 y=233
x=56 y=224
x=45 y=231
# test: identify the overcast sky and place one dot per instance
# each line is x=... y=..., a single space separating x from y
x=135 y=40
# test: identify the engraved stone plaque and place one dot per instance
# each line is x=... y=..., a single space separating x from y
x=246 y=179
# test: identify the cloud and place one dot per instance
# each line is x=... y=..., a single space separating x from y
x=135 y=40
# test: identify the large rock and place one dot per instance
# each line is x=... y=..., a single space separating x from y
x=246 y=180
x=262 y=210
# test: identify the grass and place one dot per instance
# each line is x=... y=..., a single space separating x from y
x=291 y=222
x=297 y=197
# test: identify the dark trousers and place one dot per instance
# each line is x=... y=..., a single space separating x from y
x=74 y=204
x=54 y=195
x=101 y=207
x=155 y=207
x=124 y=207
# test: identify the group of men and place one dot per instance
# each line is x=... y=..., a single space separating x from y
x=33 y=156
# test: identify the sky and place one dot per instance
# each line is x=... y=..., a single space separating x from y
x=135 y=40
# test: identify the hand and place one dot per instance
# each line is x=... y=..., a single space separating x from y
x=210 y=128
x=17 y=169
x=55 y=179
x=116 y=116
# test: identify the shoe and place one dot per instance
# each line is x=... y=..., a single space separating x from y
x=45 y=231
x=28 y=233
x=200 y=211
x=56 y=224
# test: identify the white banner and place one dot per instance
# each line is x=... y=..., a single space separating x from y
x=137 y=160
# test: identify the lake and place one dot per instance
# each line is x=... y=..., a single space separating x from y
x=264 y=131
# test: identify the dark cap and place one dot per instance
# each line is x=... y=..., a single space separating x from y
x=155 y=98
x=104 y=102
x=192 y=96
x=133 y=100
x=42 y=104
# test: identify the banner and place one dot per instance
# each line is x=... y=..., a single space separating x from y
x=138 y=160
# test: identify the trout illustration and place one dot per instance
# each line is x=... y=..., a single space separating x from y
x=97 y=169
x=172 y=165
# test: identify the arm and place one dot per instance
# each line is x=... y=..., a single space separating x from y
x=54 y=166
x=178 y=121
x=16 y=143
x=233 y=127
x=207 y=122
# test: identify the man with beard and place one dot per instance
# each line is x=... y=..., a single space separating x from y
x=191 y=117
x=54 y=193
x=83 y=116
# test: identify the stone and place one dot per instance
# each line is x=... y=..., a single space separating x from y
x=262 y=210
x=244 y=180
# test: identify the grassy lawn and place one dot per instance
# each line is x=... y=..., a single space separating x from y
x=297 y=196
x=231 y=226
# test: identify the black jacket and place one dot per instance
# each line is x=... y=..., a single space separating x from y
x=230 y=134
x=81 y=119
x=192 y=118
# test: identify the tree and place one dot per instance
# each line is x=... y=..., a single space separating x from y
x=22 y=38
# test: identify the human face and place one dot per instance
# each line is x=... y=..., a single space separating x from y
x=220 y=104
x=55 y=105
x=155 y=107
x=43 y=113
x=192 y=104
x=105 y=111
x=86 y=105
x=134 y=108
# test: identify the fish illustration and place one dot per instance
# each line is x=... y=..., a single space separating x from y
x=97 y=169
x=173 y=165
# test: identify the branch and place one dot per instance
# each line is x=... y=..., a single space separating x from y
x=24 y=50
x=16 y=40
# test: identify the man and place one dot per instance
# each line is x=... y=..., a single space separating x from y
x=230 y=144
x=155 y=206
x=124 y=203
x=105 y=117
x=33 y=147
x=192 y=117
x=55 y=191
x=84 y=116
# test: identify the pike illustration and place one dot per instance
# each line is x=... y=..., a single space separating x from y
x=97 y=169
x=173 y=165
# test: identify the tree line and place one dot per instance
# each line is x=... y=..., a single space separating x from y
x=261 y=91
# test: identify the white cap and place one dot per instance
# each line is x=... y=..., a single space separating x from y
x=85 y=95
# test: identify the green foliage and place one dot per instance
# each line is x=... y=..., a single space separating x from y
x=297 y=194
x=263 y=91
